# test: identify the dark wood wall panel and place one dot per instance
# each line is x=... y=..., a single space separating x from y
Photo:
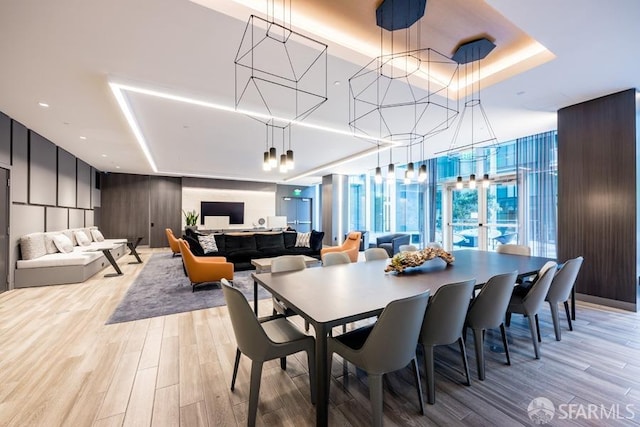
x=166 y=209
x=597 y=199
x=124 y=206
x=5 y=139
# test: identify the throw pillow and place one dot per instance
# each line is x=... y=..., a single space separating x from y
x=315 y=242
x=302 y=240
x=63 y=243
x=48 y=243
x=32 y=246
x=82 y=238
x=208 y=243
x=97 y=236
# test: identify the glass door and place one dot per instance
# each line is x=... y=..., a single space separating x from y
x=482 y=217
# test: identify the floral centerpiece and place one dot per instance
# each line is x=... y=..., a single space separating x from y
x=404 y=260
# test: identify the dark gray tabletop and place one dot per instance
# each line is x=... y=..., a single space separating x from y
x=340 y=293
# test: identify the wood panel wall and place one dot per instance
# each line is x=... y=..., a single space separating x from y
x=597 y=195
x=124 y=208
x=165 y=208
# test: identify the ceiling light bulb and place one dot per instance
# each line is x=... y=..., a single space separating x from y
x=83 y=137
x=378 y=177
x=43 y=104
x=485 y=180
x=422 y=174
x=273 y=159
x=289 y=159
x=472 y=181
x=459 y=183
x=283 y=163
x=266 y=166
x=391 y=172
x=407 y=179
x=410 y=170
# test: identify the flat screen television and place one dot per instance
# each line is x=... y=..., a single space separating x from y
x=234 y=210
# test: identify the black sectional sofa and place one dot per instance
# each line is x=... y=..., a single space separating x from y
x=241 y=248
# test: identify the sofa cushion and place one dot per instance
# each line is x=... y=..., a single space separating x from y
x=302 y=240
x=48 y=242
x=290 y=239
x=59 y=260
x=71 y=235
x=221 y=242
x=32 y=246
x=97 y=235
x=208 y=243
x=315 y=241
x=63 y=243
x=269 y=241
x=82 y=238
x=240 y=243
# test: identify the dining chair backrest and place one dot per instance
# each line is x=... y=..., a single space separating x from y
x=373 y=254
x=408 y=248
x=250 y=337
x=287 y=263
x=534 y=299
x=489 y=306
x=514 y=249
x=446 y=313
x=335 y=258
x=397 y=328
x=563 y=281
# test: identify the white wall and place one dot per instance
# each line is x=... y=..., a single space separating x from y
x=257 y=204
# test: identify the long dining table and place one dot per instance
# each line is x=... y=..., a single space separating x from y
x=331 y=296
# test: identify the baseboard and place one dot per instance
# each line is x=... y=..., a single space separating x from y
x=623 y=305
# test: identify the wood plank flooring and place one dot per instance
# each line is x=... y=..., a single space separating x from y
x=60 y=365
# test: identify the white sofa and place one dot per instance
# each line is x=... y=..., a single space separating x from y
x=43 y=264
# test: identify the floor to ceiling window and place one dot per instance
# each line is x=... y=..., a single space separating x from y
x=517 y=206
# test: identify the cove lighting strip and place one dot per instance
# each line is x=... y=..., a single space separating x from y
x=119 y=90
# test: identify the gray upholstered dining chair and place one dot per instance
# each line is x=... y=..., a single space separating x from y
x=443 y=324
x=369 y=347
x=408 y=248
x=263 y=340
x=530 y=303
x=514 y=249
x=283 y=264
x=487 y=311
x=373 y=254
x=335 y=258
x=560 y=291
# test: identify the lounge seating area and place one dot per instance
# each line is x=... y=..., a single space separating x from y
x=392 y=242
x=49 y=259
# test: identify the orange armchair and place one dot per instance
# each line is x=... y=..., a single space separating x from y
x=204 y=269
x=351 y=246
x=173 y=242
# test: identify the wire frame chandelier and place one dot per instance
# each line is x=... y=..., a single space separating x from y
x=402 y=97
x=280 y=77
x=473 y=127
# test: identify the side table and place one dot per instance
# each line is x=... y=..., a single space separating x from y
x=132 y=244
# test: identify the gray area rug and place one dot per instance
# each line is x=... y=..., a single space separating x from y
x=162 y=288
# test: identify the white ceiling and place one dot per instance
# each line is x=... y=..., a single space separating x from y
x=65 y=53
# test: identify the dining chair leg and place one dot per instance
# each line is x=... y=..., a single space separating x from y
x=429 y=373
x=566 y=309
x=306 y=326
x=478 y=338
x=507 y=319
x=375 y=395
x=534 y=332
x=235 y=369
x=505 y=343
x=311 y=361
x=283 y=363
x=254 y=392
x=416 y=371
x=554 y=317
x=538 y=327
x=463 y=351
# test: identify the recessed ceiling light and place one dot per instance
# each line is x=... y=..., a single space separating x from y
x=43 y=104
x=336 y=83
x=104 y=155
x=117 y=167
x=83 y=137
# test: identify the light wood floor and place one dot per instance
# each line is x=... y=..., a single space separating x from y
x=60 y=365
